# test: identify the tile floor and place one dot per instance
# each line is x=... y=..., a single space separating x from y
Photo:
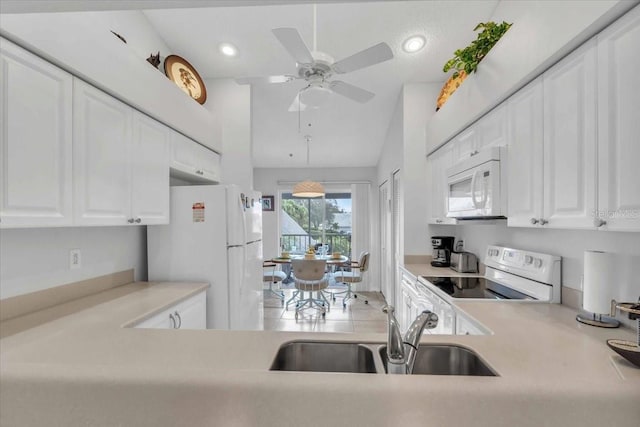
x=356 y=317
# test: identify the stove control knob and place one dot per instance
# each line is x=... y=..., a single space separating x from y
x=537 y=263
x=528 y=259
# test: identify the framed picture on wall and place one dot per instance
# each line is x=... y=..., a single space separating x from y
x=267 y=203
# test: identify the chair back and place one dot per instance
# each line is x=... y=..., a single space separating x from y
x=308 y=269
x=364 y=261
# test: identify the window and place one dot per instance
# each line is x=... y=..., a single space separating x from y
x=308 y=223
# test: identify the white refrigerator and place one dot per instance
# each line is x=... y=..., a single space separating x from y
x=214 y=236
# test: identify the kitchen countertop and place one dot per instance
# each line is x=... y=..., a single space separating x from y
x=428 y=270
x=85 y=368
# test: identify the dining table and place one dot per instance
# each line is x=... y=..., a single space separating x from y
x=332 y=261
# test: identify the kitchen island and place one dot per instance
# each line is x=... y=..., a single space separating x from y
x=90 y=367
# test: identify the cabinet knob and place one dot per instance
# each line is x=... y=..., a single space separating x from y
x=534 y=221
x=130 y=220
x=599 y=222
x=474 y=152
x=138 y=221
x=200 y=172
x=438 y=221
x=543 y=221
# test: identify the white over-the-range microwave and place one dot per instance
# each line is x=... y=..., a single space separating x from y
x=476 y=187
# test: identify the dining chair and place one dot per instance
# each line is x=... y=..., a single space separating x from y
x=309 y=276
x=273 y=276
x=358 y=268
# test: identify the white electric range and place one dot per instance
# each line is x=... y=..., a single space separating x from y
x=511 y=275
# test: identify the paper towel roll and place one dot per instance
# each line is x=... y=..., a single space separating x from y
x=599 y=278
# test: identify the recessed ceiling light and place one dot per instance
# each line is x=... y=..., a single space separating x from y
x=413 y=44
x=227 y=49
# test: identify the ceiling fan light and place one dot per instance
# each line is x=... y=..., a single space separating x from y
x=413 y=44
x=315 y=96
x=308 y=189
x=227 y=49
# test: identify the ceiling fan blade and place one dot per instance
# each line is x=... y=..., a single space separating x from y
x=296 y=105
x=352 y=92
x=292 y=41
x=371 y=56
x=262 y=80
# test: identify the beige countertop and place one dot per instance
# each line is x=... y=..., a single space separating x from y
x=427 y=270
x=85 y=368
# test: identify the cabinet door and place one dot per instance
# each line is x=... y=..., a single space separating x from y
x=209 y=163
x=150 y=171
x=101 y=156
x=464 y=144
x=524 y=165
x=570 y=140
x=619 y=124
x=492 y=129
x=438 y=163
x=192 y=313
x=183 y=156
x=35 y=141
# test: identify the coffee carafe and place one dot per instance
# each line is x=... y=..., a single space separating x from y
x=442 y=247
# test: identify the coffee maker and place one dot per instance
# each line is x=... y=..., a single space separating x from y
x=442 y=248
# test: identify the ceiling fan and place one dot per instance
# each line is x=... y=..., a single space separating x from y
x=317 y=68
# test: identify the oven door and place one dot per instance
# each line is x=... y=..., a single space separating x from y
x=475 y=192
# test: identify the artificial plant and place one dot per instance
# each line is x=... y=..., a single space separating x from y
x=467 y=59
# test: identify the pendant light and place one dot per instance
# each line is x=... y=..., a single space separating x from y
x=308 y=188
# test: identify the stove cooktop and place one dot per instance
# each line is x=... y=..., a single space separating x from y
x=474 y=287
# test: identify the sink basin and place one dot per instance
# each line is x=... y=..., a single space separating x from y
x=445 y=360
x=324 y=356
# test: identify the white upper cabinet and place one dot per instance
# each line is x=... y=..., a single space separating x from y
x=101 y=157
x=438 y=163
x=464 y=144
x=619 y=124
x=150 y=171
x=192 y=162
x=35 y=141
x=488 y=131
x=524 y=159
x=121 y=162
x=570 y=140
x=491 y=130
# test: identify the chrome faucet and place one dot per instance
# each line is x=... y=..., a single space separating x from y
x=401 y=352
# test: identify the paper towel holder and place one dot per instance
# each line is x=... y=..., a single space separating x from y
x=597 y=320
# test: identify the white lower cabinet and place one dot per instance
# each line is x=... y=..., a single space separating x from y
x=35 y=141
x=120 y=162
x=465 y=325
x=188 y=314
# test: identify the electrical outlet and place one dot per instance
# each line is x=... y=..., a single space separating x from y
x=75 y=259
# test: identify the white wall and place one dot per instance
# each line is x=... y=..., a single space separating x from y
x=419 y=108
x=391 y=156
x=38 y=258
x=230 y=104
x=266 y=180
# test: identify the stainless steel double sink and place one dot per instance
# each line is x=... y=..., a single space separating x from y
x=370 y=358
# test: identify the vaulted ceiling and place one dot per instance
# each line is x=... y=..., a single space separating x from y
x=344 y=133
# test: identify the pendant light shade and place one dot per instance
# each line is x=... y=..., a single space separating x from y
x=308 y=189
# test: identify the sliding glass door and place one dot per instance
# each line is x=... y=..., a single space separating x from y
x=308 y=223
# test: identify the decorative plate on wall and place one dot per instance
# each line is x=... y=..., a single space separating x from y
x=186 y=77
